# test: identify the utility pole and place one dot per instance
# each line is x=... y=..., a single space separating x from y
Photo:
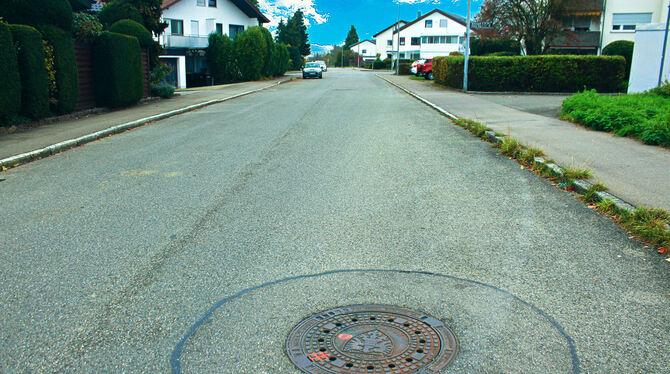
x=397 y=56
x=467 y=52
x=665 y=47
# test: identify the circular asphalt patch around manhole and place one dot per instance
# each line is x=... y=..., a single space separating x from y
x=371 y=339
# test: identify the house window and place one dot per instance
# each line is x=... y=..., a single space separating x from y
x=176 y=27
x=628 y=21
x=212 y=3
x=365 y=51
x=443 y=23
x=402 y=41
x=416 y=41
x=427 y=40
x=415 y=55
x=201 y=2
x=461 y=40
x=219 y=28
x=443 y=39
x=389 y=42
x=195 y=28
x=234 y=30
x=429 y=23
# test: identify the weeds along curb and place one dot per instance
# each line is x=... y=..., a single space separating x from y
x=24 y=158
x=648 y=225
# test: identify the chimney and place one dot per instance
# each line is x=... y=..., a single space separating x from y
x=419 y=16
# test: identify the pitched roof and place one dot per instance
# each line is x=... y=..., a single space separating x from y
x=454 y=17
x=375 y=35
x=361 y=42
x=245 y=6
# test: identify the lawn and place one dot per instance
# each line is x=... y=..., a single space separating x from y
x=644 y=116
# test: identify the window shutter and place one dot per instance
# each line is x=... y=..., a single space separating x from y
x=631 y=18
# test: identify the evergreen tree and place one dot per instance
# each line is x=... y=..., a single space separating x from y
x=293 y=33
x=151 y=12
x=352 y=38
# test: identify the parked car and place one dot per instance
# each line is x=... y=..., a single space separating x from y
x=415 y=66
x=312 y=69
x=426 y=69
x=323 y=65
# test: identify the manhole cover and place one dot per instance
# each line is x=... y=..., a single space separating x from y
x=371 y=339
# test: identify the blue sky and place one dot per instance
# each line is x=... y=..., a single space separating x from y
x=329 y=20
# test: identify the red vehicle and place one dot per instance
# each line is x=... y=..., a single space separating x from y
x=425 y=70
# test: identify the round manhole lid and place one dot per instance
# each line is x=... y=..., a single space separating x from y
x=371 y=339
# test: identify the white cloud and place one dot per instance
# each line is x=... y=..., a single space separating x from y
x=276 y=10
x=417 y=1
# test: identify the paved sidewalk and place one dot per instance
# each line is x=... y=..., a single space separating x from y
x=635 y=172
x=44 y=136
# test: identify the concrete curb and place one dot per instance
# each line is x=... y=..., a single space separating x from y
x=580 y=185
x=23 y=158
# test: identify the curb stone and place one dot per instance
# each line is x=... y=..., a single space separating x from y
x=24 y=158
x=581 y=185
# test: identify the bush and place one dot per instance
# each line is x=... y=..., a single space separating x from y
x=133 y=28
x=534 y=73
x=221 y=59
x=37 y=12
x=118 y=10
x=481 y=47
x=296 y=58
x=404 y=68
x=162 y=90
x=621 y=48
x=118 y=70
x=455 y=54
x=378 y=64
x=86 y=27
x=250 y=49
x=65 y=64
x=662 y=90
x=34 y=81
x=280 y=59
x=10 y=81
x=645 y=116
x=270 y=50
x=160 y=72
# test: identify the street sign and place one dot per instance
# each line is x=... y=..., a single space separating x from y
x=481 y=25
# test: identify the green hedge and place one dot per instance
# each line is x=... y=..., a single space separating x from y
x=482 y=47
x=133 y=28
x=10 y=81
x=621 y=48
x=34 y=80
x=118 y=10
x=65 y=64
x=404 y=68
x=251 y=49
x=37 y=12
x=221 y=59
x=534 y=73
x=118 y=70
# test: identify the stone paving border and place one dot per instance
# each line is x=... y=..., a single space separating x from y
x=581 y=185
x=24 y=158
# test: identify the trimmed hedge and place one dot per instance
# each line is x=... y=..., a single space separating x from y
x=65 y=64
x=118 y=10
x=162 y=90
x=482 y=47
x=251 y=49
x=118 y=70
x=133 y=28
x=621 y=48
x=404 y=68
x=34 y=80
x=534 y=73
x=221 y=59
x=37 y=12
x=10 y=81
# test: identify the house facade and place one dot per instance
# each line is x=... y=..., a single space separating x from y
x=621 y=17
x=189 y=24
x=384 y=40
x=437 y=33
x=367 y=49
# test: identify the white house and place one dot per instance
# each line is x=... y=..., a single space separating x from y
x=646 y=67
x=367 y=49
x=384 y=40
x=189 y=24
x=621 y=17
x=437 y=33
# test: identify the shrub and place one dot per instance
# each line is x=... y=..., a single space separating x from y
x=37 y=12
x=662 y=90
x=65 y=64
x=118 y=70
x=270 y=50
x=250 y=49
x=404 y=68
x=86 y=27
x=118 y=10
x=133 y=28
x=481 y=47
x=279 y=61
x=10 y=81
x=221 y=58
x=455 y=54
x=378 y=64
x=621 y=48
x=162 y=90
x=160 y=72
x=534 y=73
x=296 y=58
x=34 y=81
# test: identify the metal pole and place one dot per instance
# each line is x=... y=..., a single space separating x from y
x=397 y=56
x=665 y=48
x=602 y=29
x=342 y=61
x=467 y=52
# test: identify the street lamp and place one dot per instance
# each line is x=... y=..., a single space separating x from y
x=397 y=56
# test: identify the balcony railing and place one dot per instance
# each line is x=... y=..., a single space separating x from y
x=577 y=39
x=189 y=42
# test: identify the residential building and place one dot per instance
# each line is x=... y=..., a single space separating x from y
x=384 y=40
x=189 y=24
x=647 y=56
x=621 y=17
x=437 y=33
x=367 y=49
x=581 y=28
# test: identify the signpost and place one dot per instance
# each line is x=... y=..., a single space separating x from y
x=467 y=52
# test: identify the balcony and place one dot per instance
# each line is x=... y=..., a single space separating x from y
x=188 y=42
x=577 y=40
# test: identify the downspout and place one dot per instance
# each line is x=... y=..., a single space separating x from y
x=602 y=28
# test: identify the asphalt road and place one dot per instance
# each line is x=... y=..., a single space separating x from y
x=198 y=243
